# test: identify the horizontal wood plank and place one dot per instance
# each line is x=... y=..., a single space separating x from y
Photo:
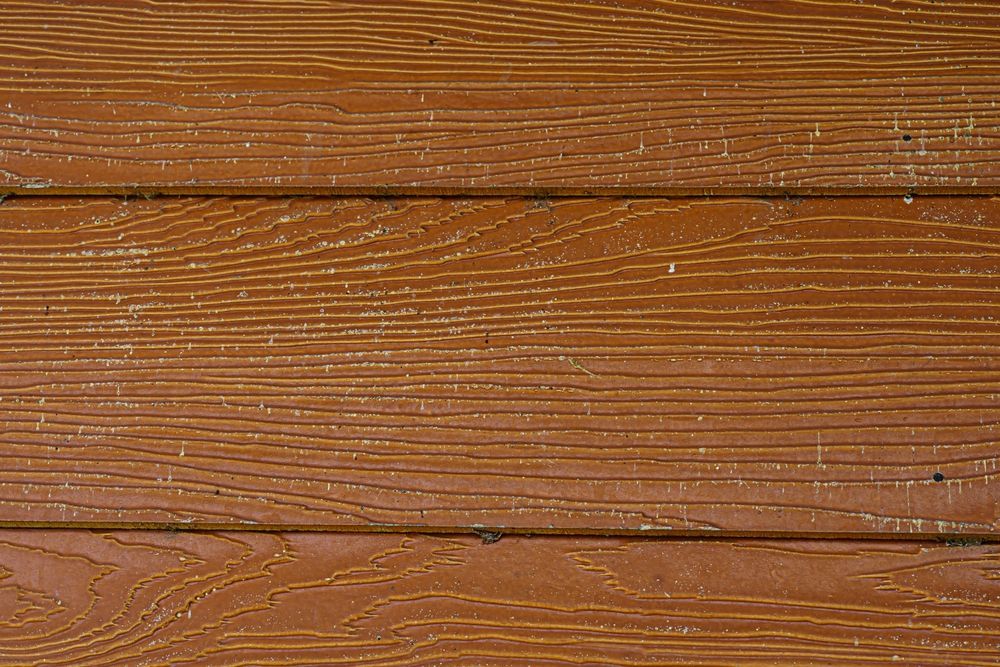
x=776 y=365
x=437 y=97
x=242 y=598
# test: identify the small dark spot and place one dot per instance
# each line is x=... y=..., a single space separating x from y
x=938 y=477
x=964 y=542
x=216 y=492
x=488 y=536
x=907 y=137
x=46 y=310
x=432 y=42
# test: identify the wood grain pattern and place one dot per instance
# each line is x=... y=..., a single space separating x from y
x=167 y=598
x=567 y=364
x=434 y=96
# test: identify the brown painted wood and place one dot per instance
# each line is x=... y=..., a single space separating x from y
x=468 y=96
x=568 y=364
x=166 y=598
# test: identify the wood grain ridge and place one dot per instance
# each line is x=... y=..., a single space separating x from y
x=236 y=599
x=433 y=97
x=822 y=366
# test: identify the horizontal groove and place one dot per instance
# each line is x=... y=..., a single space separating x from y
x=149 y=192
x=659 y=533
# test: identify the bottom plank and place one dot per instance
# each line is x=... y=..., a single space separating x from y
x=74 y=597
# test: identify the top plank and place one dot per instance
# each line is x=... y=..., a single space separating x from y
x=441 y=97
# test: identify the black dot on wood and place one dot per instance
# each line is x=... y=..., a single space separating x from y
x=938 y=477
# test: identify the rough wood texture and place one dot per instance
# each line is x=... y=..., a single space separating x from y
x=643 y=364
x=151 y=598
x=445 y=96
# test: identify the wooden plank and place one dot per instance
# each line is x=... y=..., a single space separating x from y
x=244 y=598
x=433 y=97
x=820 y=366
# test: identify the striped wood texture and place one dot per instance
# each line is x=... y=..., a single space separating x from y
x=735 y=368
x=237 y=599
x=825 y=366
x=643 y=96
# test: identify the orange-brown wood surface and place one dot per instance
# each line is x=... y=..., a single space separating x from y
x=579 y=346
x=165 y=598
x=771 y=365
x=462 y=96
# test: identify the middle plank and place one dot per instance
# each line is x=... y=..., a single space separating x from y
x=824 y=366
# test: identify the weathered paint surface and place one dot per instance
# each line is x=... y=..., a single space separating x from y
x=814 y=366
x=691 y=391
x=430 y=96
x=167 y=598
